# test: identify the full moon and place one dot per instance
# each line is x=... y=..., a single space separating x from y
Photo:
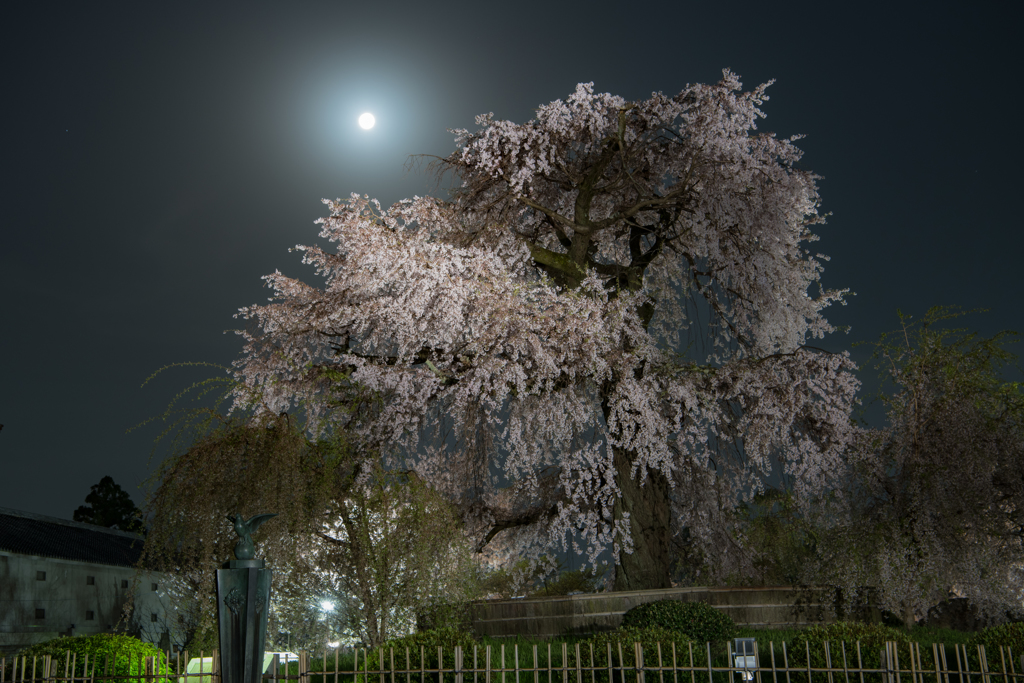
x=366 y=121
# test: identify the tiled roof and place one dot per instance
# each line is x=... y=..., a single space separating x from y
x=27 y=533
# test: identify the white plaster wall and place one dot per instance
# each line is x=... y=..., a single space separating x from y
x=67 y=597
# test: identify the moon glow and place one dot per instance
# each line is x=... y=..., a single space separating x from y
x=366 y=121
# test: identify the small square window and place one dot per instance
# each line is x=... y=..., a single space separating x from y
x=124 y=583
x=40 y=613
x=40 y=576
x=90 y=581
x=90 y=615
x=154 y=586
x=153 y=617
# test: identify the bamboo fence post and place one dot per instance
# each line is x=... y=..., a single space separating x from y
x=757 y=664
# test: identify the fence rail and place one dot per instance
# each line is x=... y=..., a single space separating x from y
x=568 y=663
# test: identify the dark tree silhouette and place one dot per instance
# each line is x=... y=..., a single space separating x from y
x=109 y=505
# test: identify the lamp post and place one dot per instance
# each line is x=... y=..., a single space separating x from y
x=243 y=599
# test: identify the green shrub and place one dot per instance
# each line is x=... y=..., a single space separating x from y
x=698 y=620
x=125 y=655
x=1008 y=635
x=649 y=639
x=429 y=641
x=845 y=634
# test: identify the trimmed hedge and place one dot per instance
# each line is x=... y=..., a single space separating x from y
x=430 y=640
x=698 y=620
x=1008 y=635
x=125 y=654
x=649 y=638
x=845 y=634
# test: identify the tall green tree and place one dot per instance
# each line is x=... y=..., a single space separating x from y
x=377 y=545
x=933 y=504
x=109 y=505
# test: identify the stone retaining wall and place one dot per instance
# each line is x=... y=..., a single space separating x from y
x=772 y=607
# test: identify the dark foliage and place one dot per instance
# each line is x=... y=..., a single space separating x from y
x=109 y=505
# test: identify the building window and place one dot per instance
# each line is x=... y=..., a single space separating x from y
x=90 y=615
x=40 y=576
x=90 y=581
x=40 y=613
x=154 y=586
x=124 y=583
x=153 y=617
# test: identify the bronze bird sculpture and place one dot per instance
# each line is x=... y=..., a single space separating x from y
x=245 y=549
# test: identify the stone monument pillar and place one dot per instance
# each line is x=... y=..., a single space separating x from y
x=243 y=599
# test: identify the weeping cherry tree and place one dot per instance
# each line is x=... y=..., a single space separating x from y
x=528 y=346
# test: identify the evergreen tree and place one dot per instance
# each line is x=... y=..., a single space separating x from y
x=109 y=505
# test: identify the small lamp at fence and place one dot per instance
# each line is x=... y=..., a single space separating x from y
x=744 y=657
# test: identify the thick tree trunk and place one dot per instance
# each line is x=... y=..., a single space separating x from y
x=650 y=564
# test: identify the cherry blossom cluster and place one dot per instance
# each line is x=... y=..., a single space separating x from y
x=511 y=341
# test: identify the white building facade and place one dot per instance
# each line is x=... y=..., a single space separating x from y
x=59 y=578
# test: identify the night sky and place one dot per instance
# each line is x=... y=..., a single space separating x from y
x=160 y=157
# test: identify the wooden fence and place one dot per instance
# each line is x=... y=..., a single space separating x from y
x=566 y=663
